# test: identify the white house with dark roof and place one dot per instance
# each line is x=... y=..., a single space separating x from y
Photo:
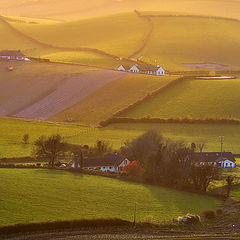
x=146 y=69
x=110 y=162
x=13 y=55
x=224 y=159
x=124 y=68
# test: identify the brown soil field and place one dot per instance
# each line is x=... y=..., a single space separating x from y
x=40 y=90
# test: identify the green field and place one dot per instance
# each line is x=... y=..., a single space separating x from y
x=12 y=131
x=194 y=99
x=115 y=96
x=48 y=195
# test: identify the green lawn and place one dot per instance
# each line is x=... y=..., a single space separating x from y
x=193 y=98
x=46 y=195
x=12 y=131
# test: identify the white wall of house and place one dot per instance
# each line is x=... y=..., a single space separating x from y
x=160 y=72
x=121 y=68
x=134 y=69
x=228 y=164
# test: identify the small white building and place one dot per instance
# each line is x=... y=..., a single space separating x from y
x=218 y=159
x=160 y=71
x=123 y=68
x=13 y=55
x=134 y=69
x=110 y=162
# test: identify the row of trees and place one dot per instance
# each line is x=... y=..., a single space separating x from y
x=167 y=162
x=54 y=147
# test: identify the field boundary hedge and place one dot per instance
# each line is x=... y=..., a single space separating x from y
x=170 y=120
x=62 y=225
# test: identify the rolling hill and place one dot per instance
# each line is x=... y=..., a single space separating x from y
x=41 y=90
x=49 y=195
x=195 y=99
x=174 y=41
x=75 y=9
x=113 y=97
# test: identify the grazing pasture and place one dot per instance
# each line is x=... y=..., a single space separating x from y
x=12 y=131
x=113 y=97
x=194 y=99
x=47 y=195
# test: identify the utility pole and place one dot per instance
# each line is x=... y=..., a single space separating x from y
x=134 y=218
x=221 y=145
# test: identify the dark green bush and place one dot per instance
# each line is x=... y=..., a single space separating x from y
x=209 y=214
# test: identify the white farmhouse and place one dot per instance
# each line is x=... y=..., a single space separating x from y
x=110 y=162
x=13 y=55
x=160 y=71
x=123 y=68
x=224 y=159
x=135 y=69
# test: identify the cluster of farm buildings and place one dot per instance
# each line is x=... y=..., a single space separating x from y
x=146 y=69
x=13 y=55
x=115 y=163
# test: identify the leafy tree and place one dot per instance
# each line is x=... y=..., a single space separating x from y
x=49 y=148
x=229 y=180
x=202 y=175
x=25 y=138
x=142 y=147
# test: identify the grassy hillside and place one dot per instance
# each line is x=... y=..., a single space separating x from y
x=12 y=131
x=10 y=40
x=41 y=90
x=177 y=40
x=193 y=98
x=116 y=34
x=45 y=195
x=73 y=9
x=113 y=97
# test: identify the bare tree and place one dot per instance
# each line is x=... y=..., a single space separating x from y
x=25 y=138
x=201 y=145
x=49 y=148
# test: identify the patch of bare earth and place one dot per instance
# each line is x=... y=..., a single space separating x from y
x=68 y=93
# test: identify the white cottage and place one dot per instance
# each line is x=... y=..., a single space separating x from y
x=224 y=159
x=160 y=71
x=110 y=162
x=123 y=68
x=135 y=69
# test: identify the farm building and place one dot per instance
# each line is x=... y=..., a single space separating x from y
x=123 y=68
x=13 y=55
x=110 y=162
x=224 y=159
x=143 y=69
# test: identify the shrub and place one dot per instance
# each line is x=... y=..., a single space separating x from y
x=209 y=214
x=219 y=211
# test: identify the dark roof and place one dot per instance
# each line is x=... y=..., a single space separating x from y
x=148 y=68
x=126 y=67
x=107 y=160
x=212 y=156
x=16 y=53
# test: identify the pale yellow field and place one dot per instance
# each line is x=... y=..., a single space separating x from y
x=116 y=34
x=76 y=9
